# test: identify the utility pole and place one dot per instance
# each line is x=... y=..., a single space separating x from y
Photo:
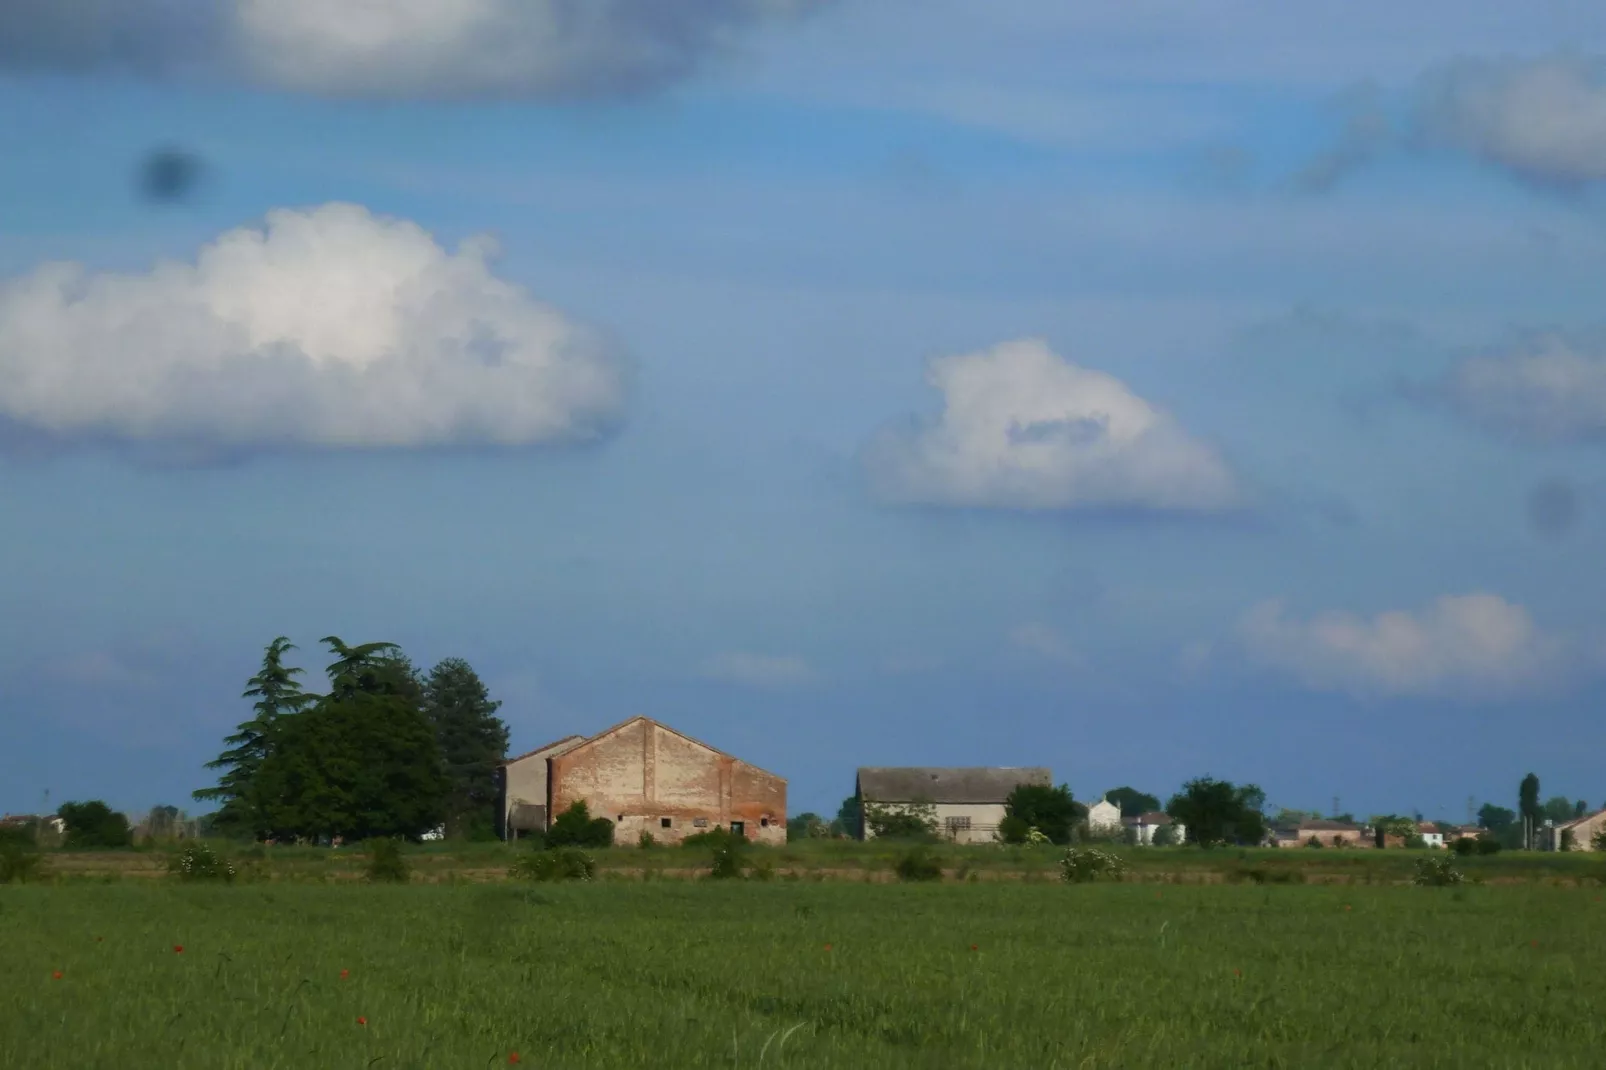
x=1472 y=808
x=1335 y=807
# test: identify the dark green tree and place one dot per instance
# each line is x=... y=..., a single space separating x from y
x=1218 y=811
x=1050 y=811
x=575 y=827
x=806 y=826
x=242 y=809
x=1528 y=806
x=1495 y=818
x=1133 y=802
x=849 y=819
x=93 y=824
x=1580 y=808
x=364 y=761
x=473 y=742
x=1559 y=808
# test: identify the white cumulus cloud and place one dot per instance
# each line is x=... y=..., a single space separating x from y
x=758 y=670
x=1022 y=428
x=1542 y=118
x=390 y=48
x=324 y=328
x=1466 y=646
x=1548 y=389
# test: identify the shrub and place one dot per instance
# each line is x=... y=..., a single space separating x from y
x=905 y=821
x=1165 y=836
x=558 y=864
x=1488 y=845
x=1464 y=846
x=715 y=838
x=385 y=862
x=18 y=862
x=1569 y=842
x=1050 y=810
x=1437 y=872
x=198 y=862
x=727 y=862
x=1013 y=830
x=575 y=827
x=22 y=836
x=919 y=864
x=1084 y=864
x=1313 y=842
x=94 y=824
x=646 y=840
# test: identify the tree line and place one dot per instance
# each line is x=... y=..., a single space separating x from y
x=387 y=750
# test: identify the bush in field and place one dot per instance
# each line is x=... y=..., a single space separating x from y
x=715 y=838
x=1313 y=842
x=1084 y=864
x=906 y=821
x=1464 y=846
x=727 y=862
x=18 y=862
x=385 y=862
x=559 y=864
x=1165 y=836
x=919 y=864
x=1488 y=845
x=198 y=862
x=575 y=827
x=1437 y=872
x=94 y=824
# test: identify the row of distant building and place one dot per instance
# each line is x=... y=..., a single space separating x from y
x=652 y=779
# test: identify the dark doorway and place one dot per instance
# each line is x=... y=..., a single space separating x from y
x=738 y=828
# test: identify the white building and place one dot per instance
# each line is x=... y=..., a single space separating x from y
x=1431 y=836
x=1145 y=826
x=1103 y=818
x=967 y=803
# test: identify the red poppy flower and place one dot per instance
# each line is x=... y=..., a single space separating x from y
x=973 y=947
x=1237 y=973
x=56 y=976
x=362 y=1021
x=178 y=949
x=512 y=1057
x=1533 y=943
x=828 y=947
x=344 y=974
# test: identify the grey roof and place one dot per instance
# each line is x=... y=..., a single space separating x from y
x=928 y=784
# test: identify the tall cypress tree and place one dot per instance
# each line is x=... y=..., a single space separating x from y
x=473 y=740
x=243 y=807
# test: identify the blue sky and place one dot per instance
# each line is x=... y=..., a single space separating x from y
x=1144 y=390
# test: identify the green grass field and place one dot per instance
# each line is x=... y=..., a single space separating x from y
x=800 y=974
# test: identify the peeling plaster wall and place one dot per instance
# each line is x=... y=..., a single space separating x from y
x=641 y=774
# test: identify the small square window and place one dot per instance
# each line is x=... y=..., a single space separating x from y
x=621 y=817
x=701 y=822
x=665 y=822
x=763 y=822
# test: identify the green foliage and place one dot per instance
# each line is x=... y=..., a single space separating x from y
x=1437 y=871
x=1569 y=841
x=1314 y=843
x=198 y=862
x=1084 y=864
x=1164 y=836
x=714 y=839
x=386 y=863
x=849 y=819
x=1528 y=799
x=1217 y=811
x=1132 y=801
x=244 y=809
x=1598 y=840
x=1495 y=818
x=646 y=841
x=1051 y=811
x=727 y=863
x=472 y=741
x=901 y=821
x=26 y=836
x=93 y=824
x=918 y=864
x=560 y=864
x=1558 y=808
x=1487 y=845
x=1013 y=830
x=807 y=826
x=575 y=827
x=19 y=861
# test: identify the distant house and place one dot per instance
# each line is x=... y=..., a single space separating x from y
x=969 y=803
x=1145 y=826
x=1584 y=830
x=646 y=777
x=48 y=822
x=1327 y=833
x=1464 y=832
x=1103 y=818
x=1431 y=836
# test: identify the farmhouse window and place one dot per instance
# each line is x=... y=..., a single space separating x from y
x=763 y=822
x=958 y=822
x=701 y=822
x=664 y=822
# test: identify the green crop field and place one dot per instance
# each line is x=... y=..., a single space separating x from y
x=781 y=974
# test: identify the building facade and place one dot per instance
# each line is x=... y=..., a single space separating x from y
x=1578 y=834
x=1145 y=827
x=1103 y=818
x=968 y=804
x=645 y=777
x=1326 y=833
